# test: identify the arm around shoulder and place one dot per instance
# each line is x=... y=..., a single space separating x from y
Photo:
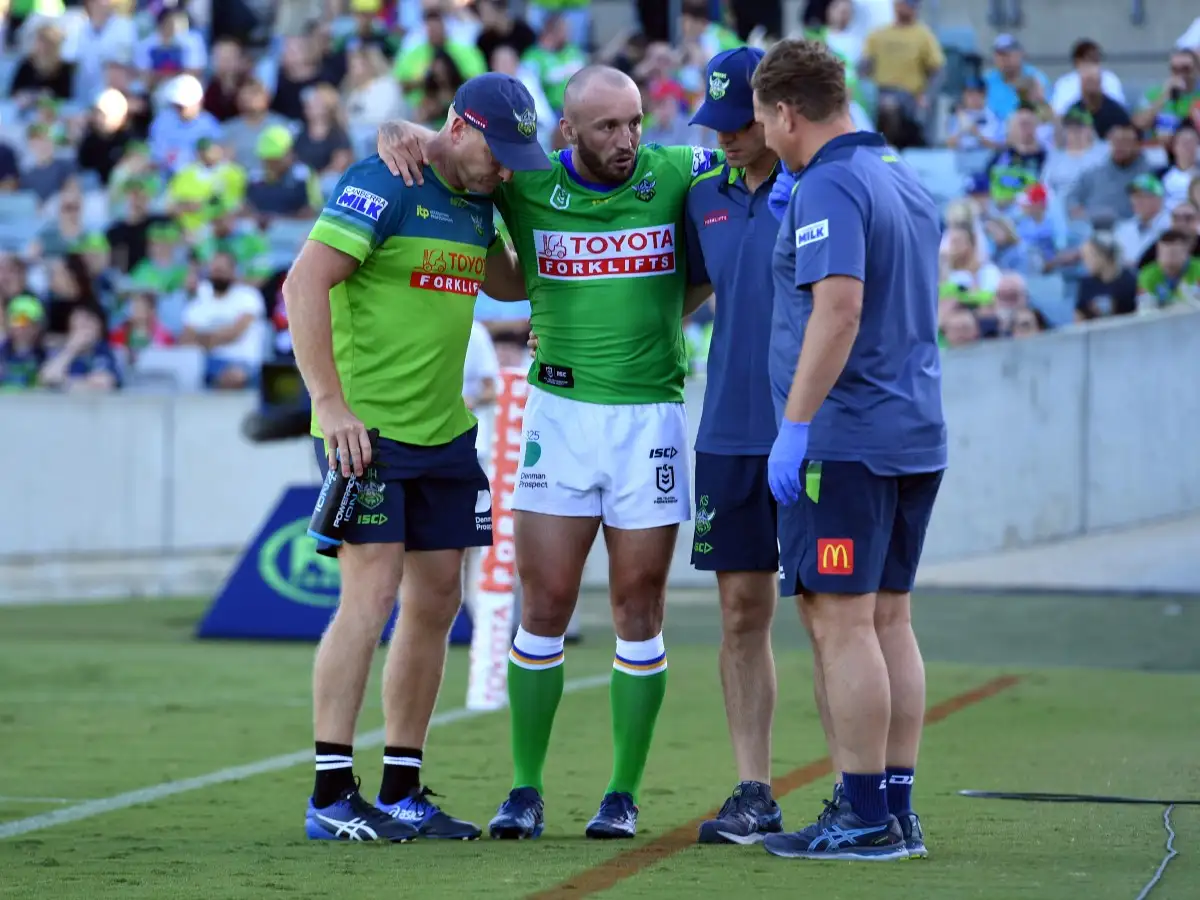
x=503 y=278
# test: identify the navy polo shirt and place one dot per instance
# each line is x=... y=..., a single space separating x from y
x=859 y=211
x=730 y=238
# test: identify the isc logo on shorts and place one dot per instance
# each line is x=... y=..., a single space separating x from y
x=630 y=253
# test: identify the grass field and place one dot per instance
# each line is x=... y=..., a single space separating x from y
x=1096 y=695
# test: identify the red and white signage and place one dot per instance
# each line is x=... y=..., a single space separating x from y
x=631 y=253
x=492 y=609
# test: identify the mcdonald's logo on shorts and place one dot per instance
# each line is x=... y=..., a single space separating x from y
x=835 y=556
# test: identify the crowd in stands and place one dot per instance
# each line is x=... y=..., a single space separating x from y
x=160 y=164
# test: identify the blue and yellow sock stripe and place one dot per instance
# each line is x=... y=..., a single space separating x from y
x=532 y=661
x=640 y=667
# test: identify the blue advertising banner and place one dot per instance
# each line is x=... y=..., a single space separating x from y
x=282 y=589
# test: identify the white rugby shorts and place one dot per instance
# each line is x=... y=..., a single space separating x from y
x=628 y=465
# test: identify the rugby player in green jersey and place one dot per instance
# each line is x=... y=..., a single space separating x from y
x=605 y=440
x=380 y=304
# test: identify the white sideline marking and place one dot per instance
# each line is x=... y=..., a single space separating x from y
x=234 y=773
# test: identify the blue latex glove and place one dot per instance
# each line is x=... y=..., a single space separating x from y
x=786 y=461
x=781 y=192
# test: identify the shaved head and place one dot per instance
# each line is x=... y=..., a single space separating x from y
x=602 y=123
x=581 y=83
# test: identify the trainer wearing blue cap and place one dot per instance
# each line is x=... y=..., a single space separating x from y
x=501 y=109
x=730 y=238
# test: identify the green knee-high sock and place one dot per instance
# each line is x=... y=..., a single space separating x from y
x=636 y=700
x=533 y=696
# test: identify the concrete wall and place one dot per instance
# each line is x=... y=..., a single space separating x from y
x=1084 y=429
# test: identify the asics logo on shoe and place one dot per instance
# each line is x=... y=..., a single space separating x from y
x=406 y=815
x=352 y=829
x=836 y=837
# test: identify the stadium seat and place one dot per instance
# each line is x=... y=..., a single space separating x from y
x=90 y=181
x=182 y=367
x=362 y=137
x=960 y=45
x=9 y=61
x=971 y=162
x=10 y=118
x=962 y=38
x=18 y=218
x=938 y=171
x=1048 y=293
x=96 y=213
x=266 y=70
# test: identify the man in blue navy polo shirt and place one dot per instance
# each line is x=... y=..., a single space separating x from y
x=856 y=381
x=730 y=238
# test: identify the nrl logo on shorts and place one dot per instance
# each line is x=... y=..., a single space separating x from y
x=644 y=190
x=704 y=516
x=526 y=122
x=370 y=494
x=477 y=221
x=718 y=84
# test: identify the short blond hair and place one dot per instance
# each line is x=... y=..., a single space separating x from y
x=805 y=75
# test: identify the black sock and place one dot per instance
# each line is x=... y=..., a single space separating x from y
x=401 y=773
x=335 y=773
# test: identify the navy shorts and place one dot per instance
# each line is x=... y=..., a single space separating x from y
x=427 y=498
x=854 y=532
x=735 y=515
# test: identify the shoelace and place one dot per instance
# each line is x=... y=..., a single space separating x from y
x=739 y=804
x=513 y=799
x=368 y=811
x=830 y=810
x=616 y=805
x=421 y=800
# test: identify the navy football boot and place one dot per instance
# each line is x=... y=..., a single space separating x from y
x=616 y=818
x=519 y=817
x=429 y=819
x=746 y=817
x=839 y=833
x=352 y=818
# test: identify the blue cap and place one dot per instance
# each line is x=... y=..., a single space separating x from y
x=501 y=107
x=1005 y=43
x=729 y=101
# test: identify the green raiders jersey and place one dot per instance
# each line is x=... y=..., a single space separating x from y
x=606 y=276
x=402 y=321
x=1164 y=289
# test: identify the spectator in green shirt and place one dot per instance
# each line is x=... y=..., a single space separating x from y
x=413 y=65
x=553 y=60
x=246 y=244
x=165 y=267
x=1173 y=277
x=1166 y=106
x=576 y=13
